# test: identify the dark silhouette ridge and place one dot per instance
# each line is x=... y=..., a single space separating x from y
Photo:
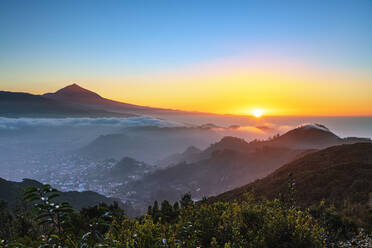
x=15 y=104
x=72 y=101
x=12 y=193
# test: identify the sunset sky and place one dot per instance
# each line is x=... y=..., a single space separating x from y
x=298 y=58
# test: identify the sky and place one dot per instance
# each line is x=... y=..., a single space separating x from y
x=228 y=57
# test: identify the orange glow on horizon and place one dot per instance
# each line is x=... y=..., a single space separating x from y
x=235 y=87
x=232 y=87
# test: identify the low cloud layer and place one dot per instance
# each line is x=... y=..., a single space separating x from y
x=248 y=132
x=19 y=123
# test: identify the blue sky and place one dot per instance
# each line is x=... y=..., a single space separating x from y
x=78 y=40
x=146 y=35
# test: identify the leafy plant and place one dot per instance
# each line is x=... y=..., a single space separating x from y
x=51 y=215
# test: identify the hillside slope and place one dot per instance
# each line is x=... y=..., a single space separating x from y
x=334 y=174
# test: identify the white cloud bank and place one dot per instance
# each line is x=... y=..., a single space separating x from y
x=18 y=123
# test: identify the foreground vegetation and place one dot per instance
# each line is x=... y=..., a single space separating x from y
x=249 y=223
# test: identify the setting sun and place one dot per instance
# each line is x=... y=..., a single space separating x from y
x=257 y=112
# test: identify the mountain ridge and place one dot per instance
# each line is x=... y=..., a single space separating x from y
x=332 y=174
x=304 y=137
x=20 y=104
x=71 y=101
x=79 y=95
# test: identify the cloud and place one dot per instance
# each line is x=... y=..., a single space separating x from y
x=18 y=123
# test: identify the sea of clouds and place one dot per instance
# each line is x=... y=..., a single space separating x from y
x=19 y=123
x=248 y=132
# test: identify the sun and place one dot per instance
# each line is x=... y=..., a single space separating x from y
x=257 y=112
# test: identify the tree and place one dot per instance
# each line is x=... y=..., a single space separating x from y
x=156 y=213
x=149 y=210
x=6 y=220
x=166 y=212
x=186 y=200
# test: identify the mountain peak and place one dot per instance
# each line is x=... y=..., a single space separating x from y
x=74 y=92
x=313 y=126
x=230 y=142
x=308 y=135
x=74 y=88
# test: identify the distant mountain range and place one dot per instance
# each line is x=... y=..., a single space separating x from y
x=222 y=171
x=71 y=101
x=147 y=143
x=304 y=137
x=230 y=163
x=161 y=145
x=28 y=105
